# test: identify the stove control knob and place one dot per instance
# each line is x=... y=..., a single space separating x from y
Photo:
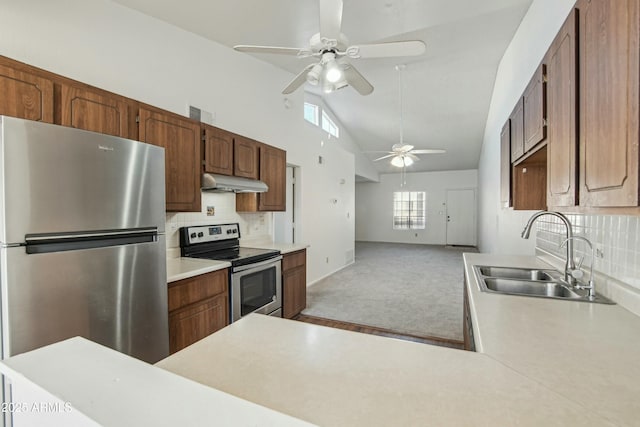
x=235 y=231
x=201 y=234
x=192 y=235
x=229 y=231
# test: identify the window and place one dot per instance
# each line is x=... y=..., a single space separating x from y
x=329 y=126
x=311 y=113
x=408 y=210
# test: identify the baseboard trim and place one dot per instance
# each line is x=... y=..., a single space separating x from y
x=330 y=274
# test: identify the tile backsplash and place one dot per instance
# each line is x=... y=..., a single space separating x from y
x=615 y=238
x=253 y=226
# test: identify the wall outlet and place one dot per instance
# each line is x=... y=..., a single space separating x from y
x=327 y=260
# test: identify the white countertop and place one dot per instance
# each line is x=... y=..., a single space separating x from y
x=107 y=388
x=284 y=248
x=589 y=353
x=183 y=268
x=334 y=377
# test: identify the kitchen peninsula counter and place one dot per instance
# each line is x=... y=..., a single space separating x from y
x=334 y=377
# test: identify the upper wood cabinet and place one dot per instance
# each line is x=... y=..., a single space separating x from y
x=180 y=138
x=505 y=165
x=273 y=172
x=246 y=157
x=535 y=110
x=517 y=131
x=609 y=96
x=25 y=95
x=562 y=188
x=95 y=110
x=218 y=151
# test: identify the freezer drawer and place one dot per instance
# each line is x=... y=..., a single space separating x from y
x=114 y=295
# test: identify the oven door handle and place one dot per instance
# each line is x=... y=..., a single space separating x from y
x=257 y=264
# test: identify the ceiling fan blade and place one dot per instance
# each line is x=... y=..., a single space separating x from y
x=384 y=157
x=428 y=151
x=297 y=81
x=291 y=51
x=403 y=148
x=387 y=50
x=412 y=157
x=330 y=19
x=356 y=80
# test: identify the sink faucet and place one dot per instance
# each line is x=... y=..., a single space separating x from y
x=577 y=273
x=569 y=265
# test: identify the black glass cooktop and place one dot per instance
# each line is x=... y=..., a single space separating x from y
x=239 y=255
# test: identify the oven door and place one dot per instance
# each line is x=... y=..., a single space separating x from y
x=256 y=288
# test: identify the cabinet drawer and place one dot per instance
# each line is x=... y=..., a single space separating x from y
x=294 y=259
x=191 y=324
x=194 y=289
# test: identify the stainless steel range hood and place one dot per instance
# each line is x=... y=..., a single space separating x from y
x=233 y=184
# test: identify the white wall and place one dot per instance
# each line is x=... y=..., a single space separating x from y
x=374 y=205
x=500 y=229
x=114 y=48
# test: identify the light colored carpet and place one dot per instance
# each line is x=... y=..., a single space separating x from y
x=410 y=289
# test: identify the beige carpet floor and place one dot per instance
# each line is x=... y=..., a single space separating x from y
x=409 y=289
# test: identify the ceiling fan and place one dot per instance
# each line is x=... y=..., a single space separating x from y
x=404 y=154
x=333 y=70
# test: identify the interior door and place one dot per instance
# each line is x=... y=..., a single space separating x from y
x=461 y=217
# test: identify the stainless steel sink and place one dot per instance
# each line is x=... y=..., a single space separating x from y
x=526 y=287
x=530 y=282
x=518 y=273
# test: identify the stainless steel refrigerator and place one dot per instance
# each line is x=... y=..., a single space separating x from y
x=82 y=245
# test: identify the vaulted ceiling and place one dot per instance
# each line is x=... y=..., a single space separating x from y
x=446 y=91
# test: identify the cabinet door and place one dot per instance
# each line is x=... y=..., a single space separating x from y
x=218 y=151
x=195 y=322
x=561 y=122
x=505 y=165
x=273 y=171
x=245 y=157
x=294 y=290
x=95 y=111
x=25 y=95
x=294 y=283
x=181 y=141
x=517 y=131
x=608 y=52
x=535 y=110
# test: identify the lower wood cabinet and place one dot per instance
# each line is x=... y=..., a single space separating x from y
x=294 y=283
x=198 y=306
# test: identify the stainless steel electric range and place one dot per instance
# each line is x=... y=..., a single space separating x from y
x=255 y=280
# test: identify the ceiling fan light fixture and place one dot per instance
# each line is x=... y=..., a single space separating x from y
x=313 y=76
x=408 y=161
x=334 y=73
x=397 y=161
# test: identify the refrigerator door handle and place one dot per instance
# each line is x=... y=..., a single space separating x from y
x=45 y=243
